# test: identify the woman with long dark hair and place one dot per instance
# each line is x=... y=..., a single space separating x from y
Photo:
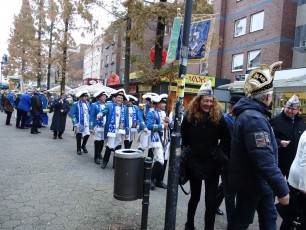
x=204 y=130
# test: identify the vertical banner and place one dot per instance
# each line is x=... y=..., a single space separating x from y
x=174 y=39
x=198 y=40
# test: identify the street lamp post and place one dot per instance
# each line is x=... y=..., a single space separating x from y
x=3 y=62
x=175 y=148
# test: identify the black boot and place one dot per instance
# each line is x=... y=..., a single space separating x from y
x=155 y=171
x=117 y=148
x=79 y=139
x=84 y=144
x=126 y=144
x=160 y=177
x=101 y=144
x=106 y=157
x=96 y=158
x=151 y=153
x=130 y=146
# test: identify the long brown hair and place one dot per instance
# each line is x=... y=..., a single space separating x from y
x=196 y=115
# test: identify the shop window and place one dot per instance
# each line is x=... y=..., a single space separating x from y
x=102 y=64
x=237 y=62
x=257 y=21
x=240 y=27
x=254 y=59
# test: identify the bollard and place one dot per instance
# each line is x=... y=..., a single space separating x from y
x=146 y=192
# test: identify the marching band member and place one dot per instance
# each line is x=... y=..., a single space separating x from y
x=80 y=120
x=144 y=133
x=96 y=126
x=133 y=112
x=155 y=125
x=117 y=124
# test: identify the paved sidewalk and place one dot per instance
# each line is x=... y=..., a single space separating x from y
x=44 y=184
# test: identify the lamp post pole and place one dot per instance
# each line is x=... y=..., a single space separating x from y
x=175 y=147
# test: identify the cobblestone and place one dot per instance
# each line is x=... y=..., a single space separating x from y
x=44 y=184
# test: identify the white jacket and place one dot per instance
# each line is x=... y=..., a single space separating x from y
x=297 y=174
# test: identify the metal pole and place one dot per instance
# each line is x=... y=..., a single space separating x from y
x=175 y=146
x=146 y=192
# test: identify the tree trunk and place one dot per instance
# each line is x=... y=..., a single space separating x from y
x=160 y=33
x=64 y=64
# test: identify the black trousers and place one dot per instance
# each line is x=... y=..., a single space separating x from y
x=211 y=188
x=57 y=133
x=22 y=117
x=8 y=117
x=35 y=124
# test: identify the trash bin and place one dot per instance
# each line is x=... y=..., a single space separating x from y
x=128 y=175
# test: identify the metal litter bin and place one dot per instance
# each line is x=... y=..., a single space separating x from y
x=128 y=175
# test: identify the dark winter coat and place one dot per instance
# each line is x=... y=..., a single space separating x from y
x=253 y=163
x=6 y=104
x=203 y=139
x=286 y=128
x=59 y=118
x=36 y=104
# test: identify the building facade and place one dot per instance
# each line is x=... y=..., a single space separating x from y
x=251 y=34
x=299 y=51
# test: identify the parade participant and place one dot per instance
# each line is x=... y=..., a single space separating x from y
x=205 y=132
x=61 y=108
x=36 y=110
x=97 y=125
x=165 y=139
x=297 y=180
x=80 y=119
x=156 y=126
x=288 y=127
x=117 y=124
x=23 y=110
x=7 y=103
x=223 y=190
x=144 y=133
x=253 y=170
x=133 y=113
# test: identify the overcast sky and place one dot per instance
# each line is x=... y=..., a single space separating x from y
x=11 y=7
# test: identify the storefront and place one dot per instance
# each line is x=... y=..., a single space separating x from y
x=286 y=83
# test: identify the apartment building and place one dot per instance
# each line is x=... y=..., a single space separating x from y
x=299 y=50
x=252 y=33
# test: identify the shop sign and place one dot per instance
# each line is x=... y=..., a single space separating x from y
x=92 y=81
x=187 y=90
x=144 y=88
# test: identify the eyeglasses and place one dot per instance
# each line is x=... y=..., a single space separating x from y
x=290 y=108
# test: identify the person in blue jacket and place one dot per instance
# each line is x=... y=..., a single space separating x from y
x=23 y=110
x=117 y=124
x=253 y=169
x=156 y=125
x=144 y=132
x=80 y=119
x=97 y=126
x=133 y=114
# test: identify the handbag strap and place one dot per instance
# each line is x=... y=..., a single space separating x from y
x=184 y=191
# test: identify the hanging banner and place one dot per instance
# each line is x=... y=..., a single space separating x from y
x=198 y=40
x=173 y=43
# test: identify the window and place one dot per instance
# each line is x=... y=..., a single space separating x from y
x=107 y=59
x=102 y=65
x=257 y=21
x=240 y=27
x=254 y=59
x=300 y=36
x=237 y=62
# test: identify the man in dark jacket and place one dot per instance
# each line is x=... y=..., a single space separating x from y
x=253 y=170
x=36 y=110
x=23 y=110
x=61 y=108
x=288 y=127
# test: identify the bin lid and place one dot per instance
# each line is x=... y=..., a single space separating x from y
x=129 y=153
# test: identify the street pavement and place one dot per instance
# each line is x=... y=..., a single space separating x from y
x=44 y=184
